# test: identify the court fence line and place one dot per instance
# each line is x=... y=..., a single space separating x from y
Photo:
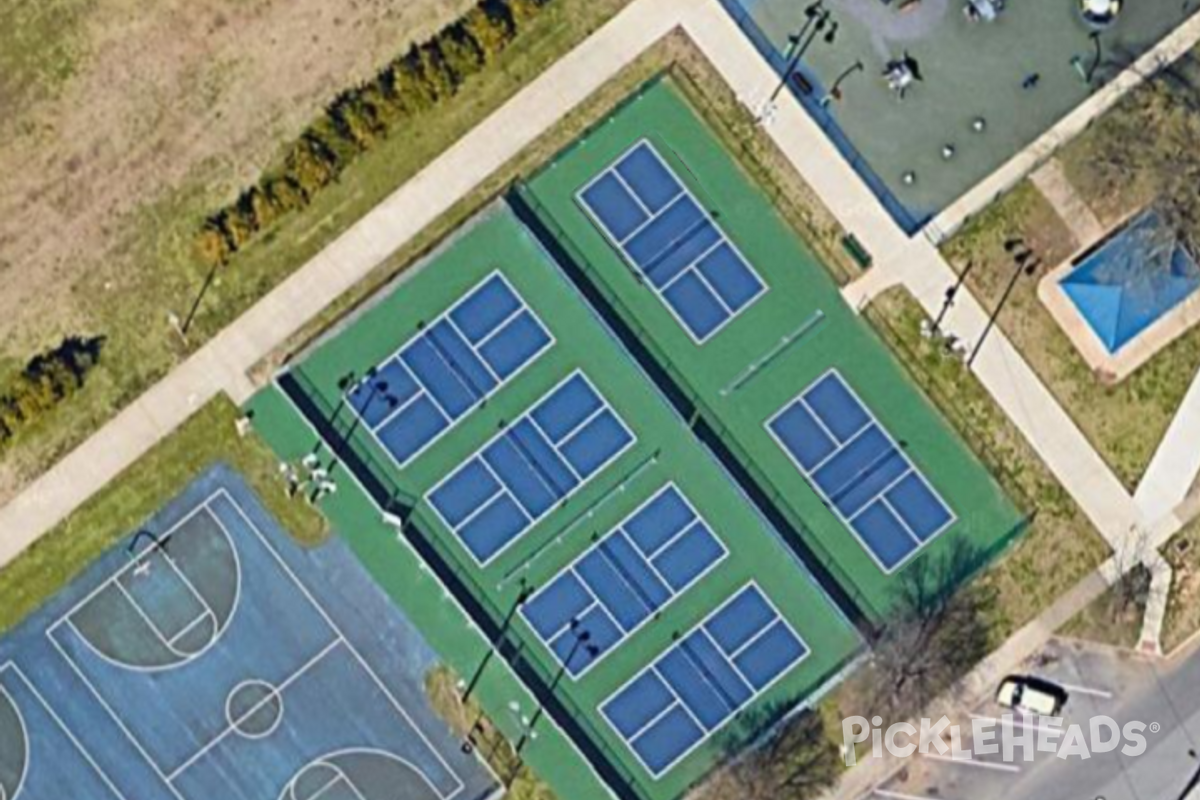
x=744 y=152
x=356 y=454
x=952 y=412
x=930 y=385
x=705 y=425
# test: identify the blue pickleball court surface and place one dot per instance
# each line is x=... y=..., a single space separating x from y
x=860 y=471
x=660 y=228
x=693 y=689
x=459 y=360
x=656 y=554
x=545 y=456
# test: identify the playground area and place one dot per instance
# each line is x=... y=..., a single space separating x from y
x=926 y=98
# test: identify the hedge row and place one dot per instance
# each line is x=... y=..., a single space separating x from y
x=47 y=380
x=426 y=75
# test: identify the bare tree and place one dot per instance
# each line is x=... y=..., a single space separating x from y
x=1151 y=139
x=796 y=761
x=940 y=630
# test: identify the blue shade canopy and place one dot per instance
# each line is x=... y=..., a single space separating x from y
x=1123 y=286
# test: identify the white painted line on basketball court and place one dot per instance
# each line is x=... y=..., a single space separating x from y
x=63 y=727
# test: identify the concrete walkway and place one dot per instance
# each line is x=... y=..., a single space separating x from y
x=222 y=364
x=1176 y=463
x=1150 y=640
x=1052 y=182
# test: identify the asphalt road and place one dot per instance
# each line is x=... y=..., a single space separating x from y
x=1101 y=681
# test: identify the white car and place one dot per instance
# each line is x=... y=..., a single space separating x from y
x=1031 y=695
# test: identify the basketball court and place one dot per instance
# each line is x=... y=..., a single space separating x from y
x=201 y=664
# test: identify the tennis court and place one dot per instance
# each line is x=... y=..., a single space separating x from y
x=457 y=362
x=859 y=469
x=574 y=509
x=518 y=477
x=665 y=233
x=691 y=691
x=808 y=409
x=619 y=584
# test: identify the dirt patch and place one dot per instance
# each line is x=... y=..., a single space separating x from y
x=120 y=102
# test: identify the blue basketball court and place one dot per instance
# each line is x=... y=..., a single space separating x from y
x=457 y=362
x=201 y=662
x=539 y=461
x=622 y=581
x=860 y=471
x=693 y=689
x=660 y=228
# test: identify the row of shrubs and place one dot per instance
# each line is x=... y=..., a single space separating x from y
x=47 y=380
x=358 y=118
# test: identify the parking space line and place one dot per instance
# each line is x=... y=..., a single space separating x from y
x=1087 y=690
x=1017 y=722
x=974 y=762
x=900 y=796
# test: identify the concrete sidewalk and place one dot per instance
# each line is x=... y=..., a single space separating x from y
x=222 y=365
x=919 y=266
x=1176 y=463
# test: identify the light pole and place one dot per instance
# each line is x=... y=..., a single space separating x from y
x=581 y=640
x=1026 y=264
x=323 y=481
x=951 y=294
x=1091 y=73
x=522 y=596
x=816 y=18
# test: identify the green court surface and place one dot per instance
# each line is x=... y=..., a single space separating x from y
x=665 y=451
x=778 y=345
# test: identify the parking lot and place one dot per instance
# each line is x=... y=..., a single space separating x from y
x=1100 y=681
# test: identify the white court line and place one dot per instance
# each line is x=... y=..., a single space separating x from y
x=206 y=616
x=467 y=619
x=631 y=442
x=231 y=728
x=26 y=742
x=756 y=693
x=1107 y=695
x=294 y=579
x=151 y=624
x=811 y=481
x=327 y=761
x=422 y=390
x=973 y=762
x=619 y=530
x=61 y=726
x=357 y=656
x=686 y=192
x=201 y=507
